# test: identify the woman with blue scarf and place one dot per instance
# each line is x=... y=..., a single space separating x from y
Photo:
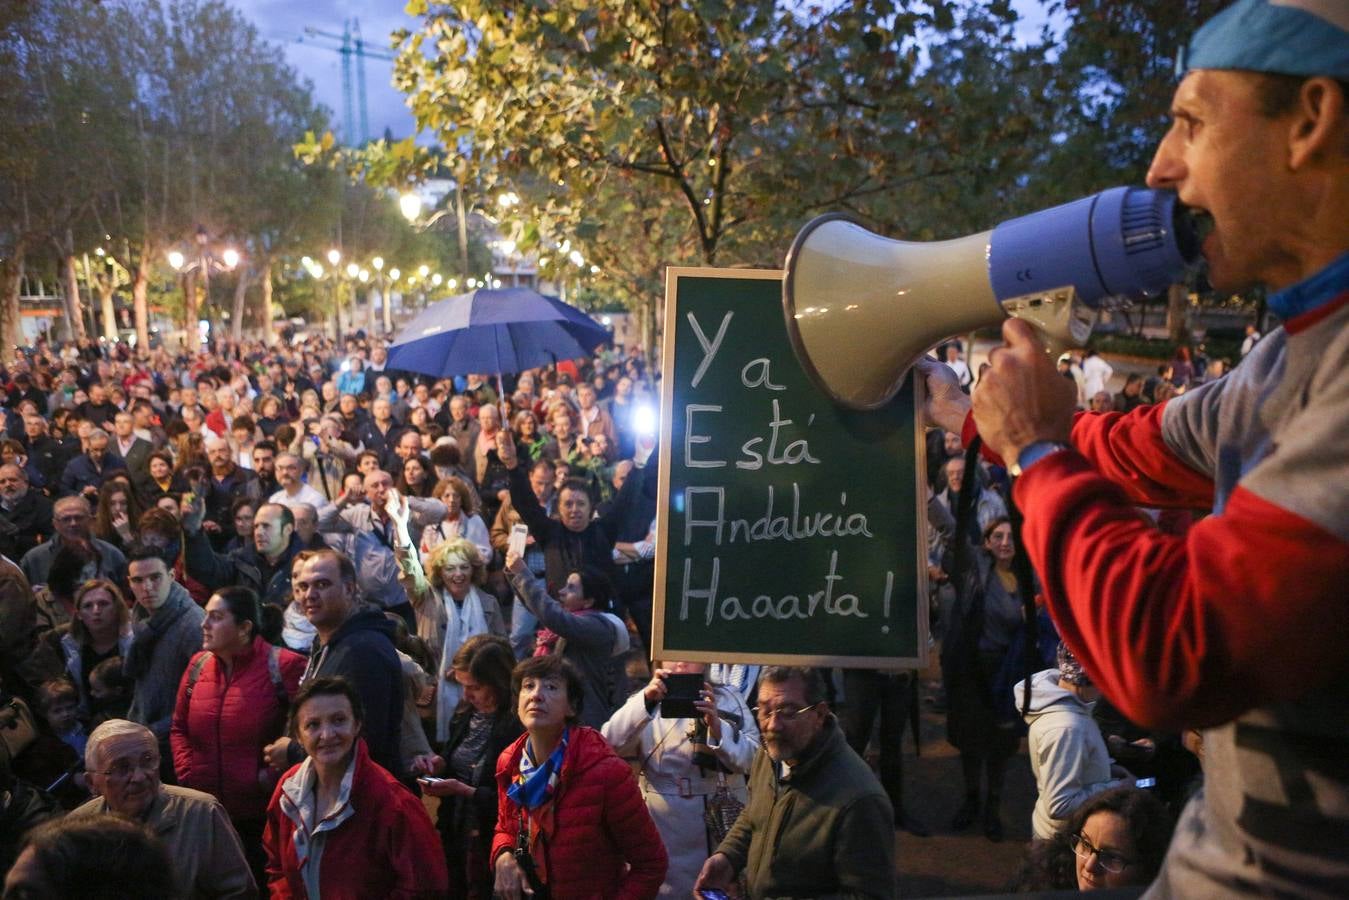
x=571 y=821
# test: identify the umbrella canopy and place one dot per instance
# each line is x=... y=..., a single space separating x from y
x=494 y=331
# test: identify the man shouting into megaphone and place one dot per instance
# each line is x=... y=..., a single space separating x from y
x=1241 y=627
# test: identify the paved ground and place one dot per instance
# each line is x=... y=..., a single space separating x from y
x=949 y=864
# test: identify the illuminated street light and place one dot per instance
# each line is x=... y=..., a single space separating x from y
x=394 y=273
x=334 y=256
x=352 y=270
x=363 y=276
x=230 y=257
x=423 y=271
x=377 y=263
x=411 y=206
x=176 y=259
x=452 y=283
x=508 y=199
x=436 y=279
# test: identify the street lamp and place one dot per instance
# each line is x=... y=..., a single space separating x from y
x=411 y=206
x=206 y=260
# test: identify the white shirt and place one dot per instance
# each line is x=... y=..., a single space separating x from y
x=1096 y=372
x=306 y=494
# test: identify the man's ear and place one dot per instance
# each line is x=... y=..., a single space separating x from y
x=1319 y=126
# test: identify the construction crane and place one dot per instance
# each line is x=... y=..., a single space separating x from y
x=349 y=44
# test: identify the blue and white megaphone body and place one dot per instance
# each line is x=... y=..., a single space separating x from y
x=862 y=309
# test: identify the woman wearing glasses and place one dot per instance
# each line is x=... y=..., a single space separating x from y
x=570 y=821
x=1116 y=839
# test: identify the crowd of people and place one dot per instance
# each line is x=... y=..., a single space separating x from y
x=257 y=603
x=278 y=603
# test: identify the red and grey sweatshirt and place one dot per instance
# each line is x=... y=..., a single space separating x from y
x=1240 y=626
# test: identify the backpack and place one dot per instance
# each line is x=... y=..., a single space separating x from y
x=273 y=670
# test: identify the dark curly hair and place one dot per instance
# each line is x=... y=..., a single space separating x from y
x=1051 y=864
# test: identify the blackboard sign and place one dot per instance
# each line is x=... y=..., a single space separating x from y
x=790 y=530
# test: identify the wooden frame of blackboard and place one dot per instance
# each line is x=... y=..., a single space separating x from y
x=658 y=649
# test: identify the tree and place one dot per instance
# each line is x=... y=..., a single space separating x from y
x=737 y=120
x=1113 y=87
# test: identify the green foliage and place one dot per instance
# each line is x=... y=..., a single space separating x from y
x=706 y=132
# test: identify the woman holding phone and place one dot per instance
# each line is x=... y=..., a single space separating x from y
x=463 y=773
x=687 y=762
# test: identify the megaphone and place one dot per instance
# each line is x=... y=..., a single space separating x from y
x=861 y=309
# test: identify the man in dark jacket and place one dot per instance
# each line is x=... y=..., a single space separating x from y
x=44 y=451
x=25 y=515
x=85 y=473
x=818 y=822
x=98 y=408
x=262 y=563
x=574 y=541
x=228 y=482
x=354 y=643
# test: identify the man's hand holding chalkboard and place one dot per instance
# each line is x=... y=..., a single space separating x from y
x=506 y=449
x=947 y=405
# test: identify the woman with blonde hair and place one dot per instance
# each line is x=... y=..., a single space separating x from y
x=451 y=607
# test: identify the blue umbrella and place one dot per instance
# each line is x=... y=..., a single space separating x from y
x=486 y=331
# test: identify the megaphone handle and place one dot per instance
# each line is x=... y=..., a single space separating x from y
x=1062 y=321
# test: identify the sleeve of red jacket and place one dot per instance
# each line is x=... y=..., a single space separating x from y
x=629 y=824
x=1129 y=450
x=1244 y=610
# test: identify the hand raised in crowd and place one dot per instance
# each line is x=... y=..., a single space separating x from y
x=717 y=874
x=506 y=449
x=396 y=505
x=510 y=880
x=193 y=511
x=515 y=564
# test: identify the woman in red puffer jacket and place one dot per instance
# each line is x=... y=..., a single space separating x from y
x=586 y=828
x=232 y=702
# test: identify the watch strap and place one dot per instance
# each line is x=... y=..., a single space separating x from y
x=1033 y=453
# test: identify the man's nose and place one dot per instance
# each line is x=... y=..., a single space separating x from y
x=1167 y=169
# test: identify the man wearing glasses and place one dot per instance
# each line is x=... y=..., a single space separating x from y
x=818 y=822
x=122 y=762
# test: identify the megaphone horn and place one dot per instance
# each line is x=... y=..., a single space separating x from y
x=861 y=309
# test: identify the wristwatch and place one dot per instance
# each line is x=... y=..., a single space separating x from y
x=1033 y=453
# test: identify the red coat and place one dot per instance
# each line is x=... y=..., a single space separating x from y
x=218 y=736
x=388 y=849
x=603 y=842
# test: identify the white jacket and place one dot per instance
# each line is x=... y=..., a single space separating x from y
x=675 y=788
x=1067 y=753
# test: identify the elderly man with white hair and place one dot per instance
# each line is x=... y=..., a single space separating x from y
x=122 y=763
